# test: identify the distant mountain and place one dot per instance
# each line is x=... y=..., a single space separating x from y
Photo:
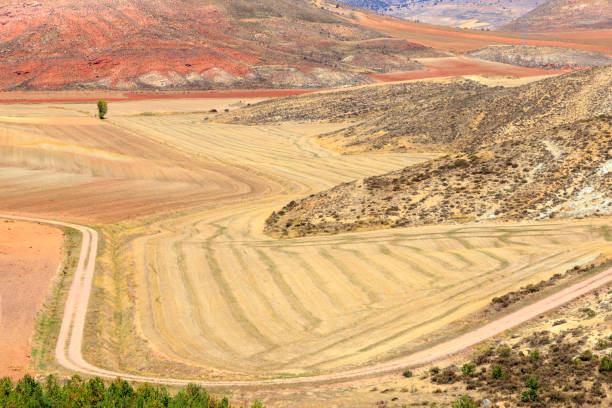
x=456 y=13
x=185 y=44
x=565 y=14
x=376 y=5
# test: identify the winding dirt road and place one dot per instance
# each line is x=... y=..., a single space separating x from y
x=69 y=346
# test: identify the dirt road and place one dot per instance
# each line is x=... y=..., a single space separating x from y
x=69 y=355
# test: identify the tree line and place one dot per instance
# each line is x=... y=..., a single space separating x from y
x=76 y=392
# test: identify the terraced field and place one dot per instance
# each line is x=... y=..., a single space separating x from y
x=214 y=293
x=192 y=288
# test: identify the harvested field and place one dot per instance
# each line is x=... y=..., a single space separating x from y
x=215 y=298
x=29 y=258
x=459 y=66
x=457 y=40
x=198 y=291
x=58 y=163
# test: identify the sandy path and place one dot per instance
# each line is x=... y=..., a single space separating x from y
x=68 y=351
x=29 y=258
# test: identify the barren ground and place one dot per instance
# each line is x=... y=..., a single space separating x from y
x=29 y=258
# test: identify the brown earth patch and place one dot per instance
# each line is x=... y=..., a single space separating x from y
x=29 y=256
x=456 y=66
x=115 y=96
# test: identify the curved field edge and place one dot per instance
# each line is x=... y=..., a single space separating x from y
x=127 y=349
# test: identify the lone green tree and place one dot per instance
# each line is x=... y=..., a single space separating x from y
x=102 y=108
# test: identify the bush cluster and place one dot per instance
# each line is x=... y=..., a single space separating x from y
x=30 y=393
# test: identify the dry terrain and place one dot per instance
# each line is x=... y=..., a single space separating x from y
x=196 y=290
x=440 y=116
x=560 y=336
x=541 y=57
x=29 y=259
x=556 y=15
x=561 y=172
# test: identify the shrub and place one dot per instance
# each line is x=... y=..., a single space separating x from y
x=407 y=373
x=534 y=356
x=532 y=392
x=498 y=372
x=586 y=355
x=504 y=351
x=465 y=402
x=468 y=369
x=606 y=364
x=102 y=109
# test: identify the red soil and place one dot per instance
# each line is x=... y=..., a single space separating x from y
x=455 y=66
x=450 y=39
x=88 y=96
x=29 y=257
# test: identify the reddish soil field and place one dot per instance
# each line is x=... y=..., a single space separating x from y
x=114 y=96
x=454 y=66
x=29 y=257
x=456 y=40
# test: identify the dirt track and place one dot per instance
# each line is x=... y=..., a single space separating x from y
x=68 y=352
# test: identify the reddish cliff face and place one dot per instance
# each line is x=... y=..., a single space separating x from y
x=165 y=44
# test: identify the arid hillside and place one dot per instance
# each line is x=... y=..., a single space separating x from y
x=557 y=15
x=541 y=57
x=181 y=44
x=460 y=115
x=560 y=172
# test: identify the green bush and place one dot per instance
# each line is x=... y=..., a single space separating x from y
x=605 y=366
x=102 y=109
x=468 y=369
x=498 y=372
x=534 y=356
x=532 y=390
x=29 y=393
x=465 y=402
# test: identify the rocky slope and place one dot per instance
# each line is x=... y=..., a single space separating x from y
x=564 y=171
x=555 y=15
x=436 y=117
x=541 y=57
x=183 y=44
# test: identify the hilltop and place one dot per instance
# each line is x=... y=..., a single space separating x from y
x=181 y=44
x=461 y=115
x=561 y=172
x=536 y=151
x=555 y=15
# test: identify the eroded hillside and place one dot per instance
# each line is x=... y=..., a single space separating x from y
x=181 y=44
x=560 y=172
x=433 y=117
